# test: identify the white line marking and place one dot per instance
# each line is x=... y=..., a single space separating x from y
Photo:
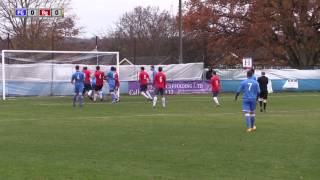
x=214 y=114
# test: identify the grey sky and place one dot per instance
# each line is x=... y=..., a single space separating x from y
x=97 y=16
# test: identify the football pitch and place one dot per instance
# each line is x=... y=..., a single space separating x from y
x=46 y=138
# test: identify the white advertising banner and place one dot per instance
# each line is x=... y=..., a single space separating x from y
x=291 y=84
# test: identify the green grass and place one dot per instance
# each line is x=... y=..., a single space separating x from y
x=46 y=138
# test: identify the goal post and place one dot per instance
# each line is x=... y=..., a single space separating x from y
x=3 y=76
x=19 y=68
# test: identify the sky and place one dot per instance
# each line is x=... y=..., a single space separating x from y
x=98 y=16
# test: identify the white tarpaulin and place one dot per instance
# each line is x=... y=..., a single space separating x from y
x=238 y=74
x=270 y=89
x=62 y=72
x=192 y=71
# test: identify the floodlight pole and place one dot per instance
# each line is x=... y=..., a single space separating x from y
x=3 y=78
x=97 y=50
x=180 y=33
x=8 y=41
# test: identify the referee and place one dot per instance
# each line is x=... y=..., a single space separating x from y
x=263 y=83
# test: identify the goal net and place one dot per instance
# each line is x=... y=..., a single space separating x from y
x=48 y=73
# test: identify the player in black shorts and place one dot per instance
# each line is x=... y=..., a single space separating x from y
x=263 y=83
x=87 y=83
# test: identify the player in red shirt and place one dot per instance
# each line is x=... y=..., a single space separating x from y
x=87 y=82
x=216 y=86
x=144 y=80
x=99 y=75
x=160 y=83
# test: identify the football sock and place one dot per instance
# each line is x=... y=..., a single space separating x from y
x=90 y=93
x=101 y=95
x=81 y=100
x=75 y=99
x=264 y=105
x=163 y=102
x=248 y=120
x=215 y=99
x=145 y=95
x=117 y=95
x=149 y=95
x=114 y=97
x=252 y=118
x=155 y=99
x=94 y=96
x=260 y=102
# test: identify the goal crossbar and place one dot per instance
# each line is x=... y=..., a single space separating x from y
x=48 y=52
x=60 y=52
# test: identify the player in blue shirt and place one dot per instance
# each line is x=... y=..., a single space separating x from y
x=112 y=83
x=153 y=75
x=78 y=81
x=251 y=90
x=93 y=82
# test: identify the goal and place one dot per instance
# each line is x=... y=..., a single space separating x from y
x=48 y=73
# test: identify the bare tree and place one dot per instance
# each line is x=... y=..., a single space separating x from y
x=145 y=32
x=35 y=33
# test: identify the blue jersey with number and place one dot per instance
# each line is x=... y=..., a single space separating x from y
x=111 y=79
x=250 y=89
x=78 y=78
